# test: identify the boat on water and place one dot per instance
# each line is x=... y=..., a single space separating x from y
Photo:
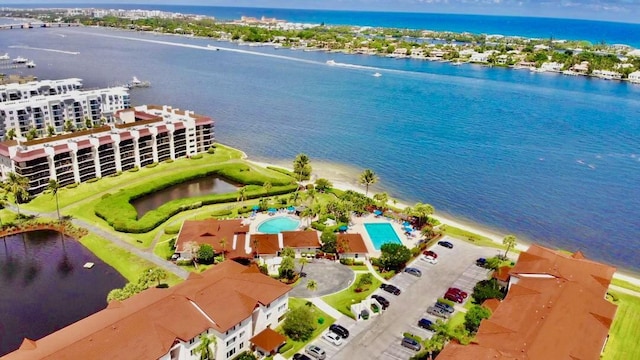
x=331 y=62
x=30 y=64
x=20 y=60
x=457 y=63
x=136 y=83
x=5 y=56
x=212 y=47
x=377 y=74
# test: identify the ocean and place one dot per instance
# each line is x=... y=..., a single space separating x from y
x=551 y=158
x=544 y=28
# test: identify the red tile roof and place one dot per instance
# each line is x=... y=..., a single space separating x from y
x=105 y=140
x=147 y=325
x=561 y=316
x=59 y=149
x=300 y=239
x=354 y=242
x=162 y=129
x=502 y=273
x=29 y=155
x=268 y=244
x=491 y=304
x=212 y=231
x=83 y=144
x=144 y=132
x=268 y=340
x=125 y=136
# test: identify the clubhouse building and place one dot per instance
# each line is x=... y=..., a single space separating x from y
x=137 y=137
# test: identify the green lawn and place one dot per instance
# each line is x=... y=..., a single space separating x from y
x=124 y=262
x=328 y=320
x=625 y=284
x=342 y=300
x=623 y=342
x=456 y=319
x=471 y=237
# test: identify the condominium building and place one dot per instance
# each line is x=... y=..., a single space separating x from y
x=236 y=306
x=13 y=92
x=38 y=108
x=138 y=137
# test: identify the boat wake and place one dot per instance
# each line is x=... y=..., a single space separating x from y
x=44 y=49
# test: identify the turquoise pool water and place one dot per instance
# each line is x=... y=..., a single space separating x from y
x=278 y=224
x=382 y=233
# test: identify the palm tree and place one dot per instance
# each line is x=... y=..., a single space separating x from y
x=302 y=261
x=256 y=242
x=308 y=213
x=267 y=186
x=509 y=241
x=422 y=212
x=368 y=177
x=18 y=186
x=53 y=187
x=312 y=285
x=311 y=195
x=204 y=348
x=302 y=166
x=223 y=244
x=381 y=199
x=242 y=195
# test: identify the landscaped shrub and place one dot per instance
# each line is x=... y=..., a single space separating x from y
x=286 y=347
x=92 y=180
x=414 y=337
x=134 y=169
x=220 y=213
x=184 y=262
x=415 y=251
x=152 y=165
x=487 y=289
x=211 y=150
x=106 y=195
x=445 y=301
x=120 y=214
x=72 y=186
x=299 y=324
x=282 y=171
x=196 y=157
x=172 y=229
x=346 y=261
x=168 y=161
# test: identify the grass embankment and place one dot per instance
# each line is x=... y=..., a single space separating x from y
x=472 y=237
x=623 y=343
x=84 y=191
x=320 y=328
x=343 y=300
x=124 y=262
x=625 y=284
x=117 y=210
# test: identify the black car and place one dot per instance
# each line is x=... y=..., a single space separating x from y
x=340 y=330
x=390 y=289
x=384 y=302
x=425 y=324
x=445 y=244
x=301 y=357
x=482 y=262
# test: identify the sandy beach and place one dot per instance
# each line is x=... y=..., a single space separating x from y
x=346 y=178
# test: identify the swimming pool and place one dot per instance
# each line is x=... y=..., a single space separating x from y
x=278 y=225
x=382 y=233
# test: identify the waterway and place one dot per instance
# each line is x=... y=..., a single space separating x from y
x=45 y=286
x=187 y=189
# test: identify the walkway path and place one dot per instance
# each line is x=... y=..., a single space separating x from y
x=624 y=290
x=326 y=308
x=375 y=273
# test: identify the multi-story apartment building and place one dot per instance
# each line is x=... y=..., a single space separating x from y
x=35 y=108
x=235 y=305
x=138 y=137
x=13 y=92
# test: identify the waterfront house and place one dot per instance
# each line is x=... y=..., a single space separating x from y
x=351 y=246
x=502 y=59
x=479 y=57
x=607 y=74
x=582 y=68
x=634 y=77
x=304 y=243
x=137 y=137
x=551 y=66
x=235 y=305
x=555 y=308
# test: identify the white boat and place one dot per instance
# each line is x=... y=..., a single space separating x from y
x=5 y=57
x=30 y=64
x=88 y=265
x=377 y=74
x=331 y=62
x=457 y=63
x=20 y=60
x=213 y=47
x=136 y=83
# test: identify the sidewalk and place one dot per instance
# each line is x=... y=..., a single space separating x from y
x=373 y=271
x=326 y=308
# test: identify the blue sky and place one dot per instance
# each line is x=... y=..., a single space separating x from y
x=615 y=10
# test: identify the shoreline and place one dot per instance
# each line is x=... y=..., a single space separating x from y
x=326 y=170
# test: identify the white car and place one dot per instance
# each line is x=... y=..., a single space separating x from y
x=333 y=338
x=430 y=259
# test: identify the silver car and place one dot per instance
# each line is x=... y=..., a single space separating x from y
x=316 y=352
x=436 y=311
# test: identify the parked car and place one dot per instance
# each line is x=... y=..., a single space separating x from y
x=458 y=291
x=316 y=352
x=411 y=344
x=413 y=271
x=454 y=297
x=430 y=253
x=301 y=357
x=435 y=311
x=482 y=262
x=332 y=338
x=390 y=289
x=425 y=324
x=340 y=330
x=445 y=244
x=364 y=314
x=446 y=307
x=381 y=300
x=430 y=259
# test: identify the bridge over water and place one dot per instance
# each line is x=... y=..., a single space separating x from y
x=37 y=25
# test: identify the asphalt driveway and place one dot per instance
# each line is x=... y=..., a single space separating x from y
x=331 y=277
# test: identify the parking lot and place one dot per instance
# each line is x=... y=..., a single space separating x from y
x=381 y=340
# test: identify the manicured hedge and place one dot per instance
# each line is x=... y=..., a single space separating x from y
x=282 y=171
x=122 y=216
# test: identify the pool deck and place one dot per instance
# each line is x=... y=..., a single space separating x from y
x=357 y=227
